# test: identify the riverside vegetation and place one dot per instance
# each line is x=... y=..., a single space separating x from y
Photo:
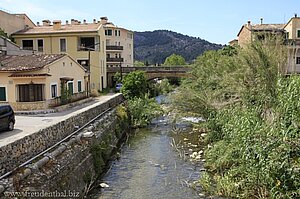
x=252 y=114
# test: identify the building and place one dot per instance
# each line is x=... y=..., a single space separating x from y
x=292 y=31
x=84 y=42
x=32 y=82
x=7 y=47
x=250 y=32
x=289 y=32
x=119 y=45
x=11 y=23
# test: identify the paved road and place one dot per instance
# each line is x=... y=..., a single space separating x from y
x=26 y=125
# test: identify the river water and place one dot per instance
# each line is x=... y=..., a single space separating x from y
x=155 y=164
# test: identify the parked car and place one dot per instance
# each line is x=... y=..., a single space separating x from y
x=118 y=87
x=7 y=118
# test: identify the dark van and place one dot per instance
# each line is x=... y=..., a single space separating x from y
x=7 y=118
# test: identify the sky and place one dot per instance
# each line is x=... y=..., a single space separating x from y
x=216 y=21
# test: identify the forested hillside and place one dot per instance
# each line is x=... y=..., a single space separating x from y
x=155 y=46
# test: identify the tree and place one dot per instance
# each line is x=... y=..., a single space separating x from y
x=134 y=85
x=174 y=60
x=138 y=63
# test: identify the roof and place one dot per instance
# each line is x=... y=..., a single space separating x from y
x=26 y=62
x=268 y=27
x=88 y=27
x=263 y=27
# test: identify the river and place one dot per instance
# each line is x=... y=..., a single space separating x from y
x=155 y=164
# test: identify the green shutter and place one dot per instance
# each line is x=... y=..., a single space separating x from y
x=2 y=94
x=298 y=33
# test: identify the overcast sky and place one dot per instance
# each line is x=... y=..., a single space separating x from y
x=217 y=21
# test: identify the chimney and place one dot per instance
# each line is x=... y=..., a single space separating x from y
x=38 y=23
x=103 y=20
x=249 y=24
x=72 y=21
x=296 y=15
x=67 y=22
x=261 y=21
x=94 y=21
x=84 y=21
x=56 y=24
x=46 y=22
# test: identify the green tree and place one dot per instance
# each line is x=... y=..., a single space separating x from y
x=138 y=63
x=134 y=85
x=117 y=77
x=4 y=34
x=174 y=60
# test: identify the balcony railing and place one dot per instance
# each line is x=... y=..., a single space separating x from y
x=114 y=47
x=292 y=42
x=111 y=59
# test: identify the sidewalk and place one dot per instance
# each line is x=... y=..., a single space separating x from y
x=30 y=123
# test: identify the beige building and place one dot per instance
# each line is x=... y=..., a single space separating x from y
x=33 y=82
x=11 y=23
x=290 y=32
x=84 y=42
x=119 y=45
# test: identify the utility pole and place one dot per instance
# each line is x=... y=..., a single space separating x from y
x=121 y=71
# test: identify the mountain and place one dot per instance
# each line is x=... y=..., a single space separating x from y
x=155 y=46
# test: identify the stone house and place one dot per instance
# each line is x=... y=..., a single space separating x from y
x=289 y=32
x=35 y=82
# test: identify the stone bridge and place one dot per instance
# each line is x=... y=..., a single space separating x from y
x=152 y=72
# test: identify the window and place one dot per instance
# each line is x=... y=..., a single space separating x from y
x=108 y=32
x=27 y=44
x=87 y=43
x=117 y=33
x=30 y=92
x=63 y=45
x=2 y=94
x=70 y=87
x=53 y=90
x=40 y=45
x=297 y=60
x=298 y=33
x=79 y=86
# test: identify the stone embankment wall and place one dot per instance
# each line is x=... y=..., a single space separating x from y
x=73 y=166
x=23 y=149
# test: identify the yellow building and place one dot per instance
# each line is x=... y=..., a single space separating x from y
x=292 y=30
x=84 y=42
x=119 y=45
x=33 y=82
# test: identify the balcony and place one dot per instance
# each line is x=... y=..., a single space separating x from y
x=114 y=47
x=111 y=59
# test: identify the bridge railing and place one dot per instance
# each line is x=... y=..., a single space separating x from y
x=148 y=68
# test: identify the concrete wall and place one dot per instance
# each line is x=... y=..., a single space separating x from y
x=21 y=150
x=11 y=23
x=7 y=47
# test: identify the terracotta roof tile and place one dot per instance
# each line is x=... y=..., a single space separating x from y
x=26 y=62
